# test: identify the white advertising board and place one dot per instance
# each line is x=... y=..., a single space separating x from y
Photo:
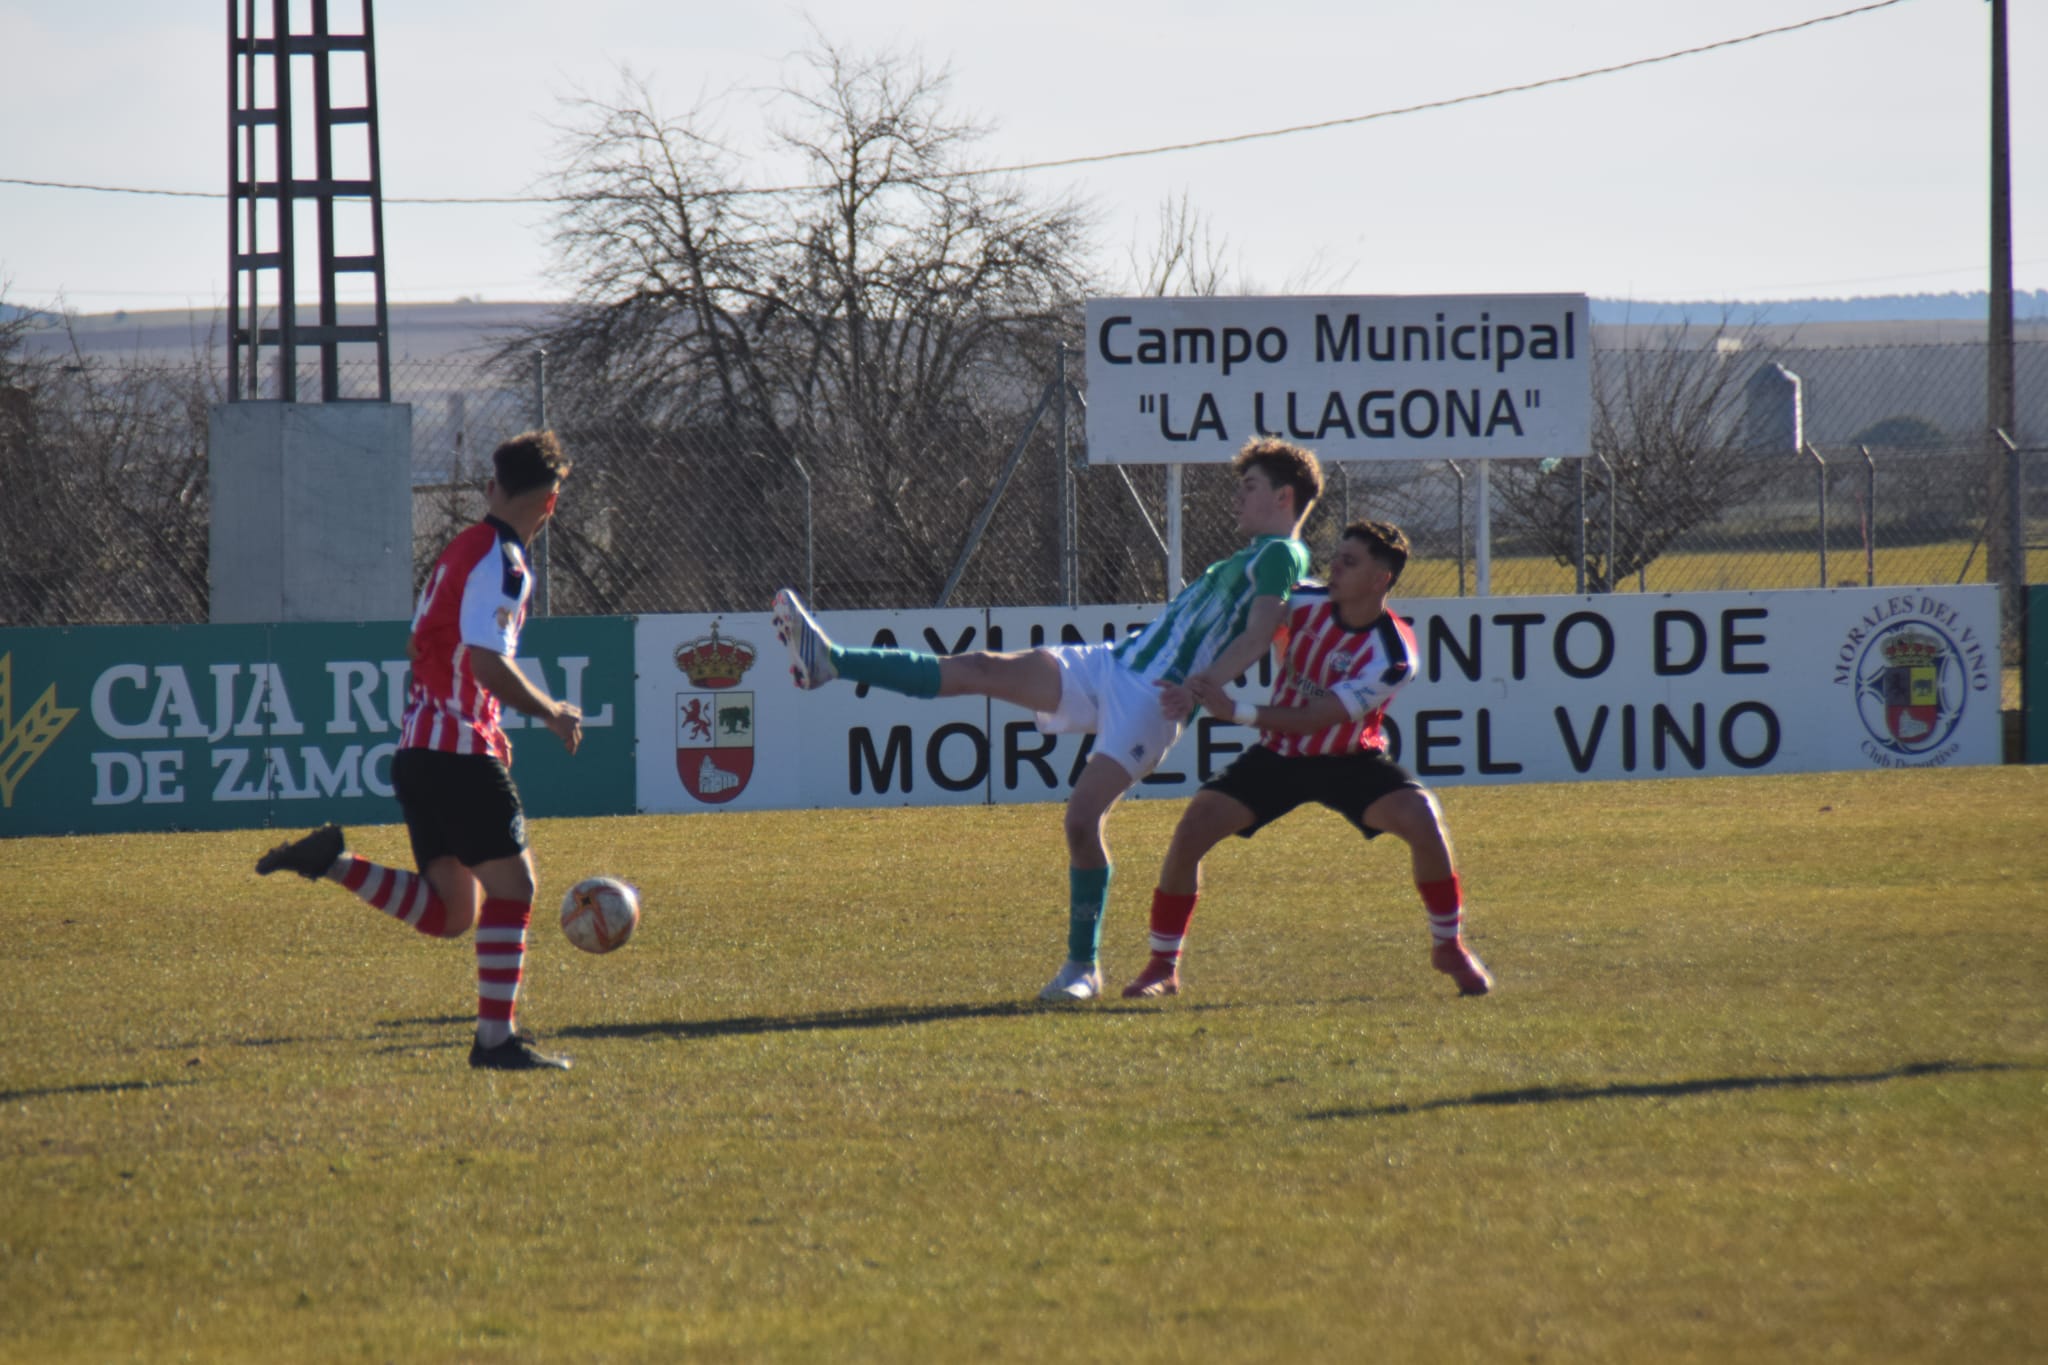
x=1401 y=377
x=1553 y=689
x=722 y=726
x=1511 y=689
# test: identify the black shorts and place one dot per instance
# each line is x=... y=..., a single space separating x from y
x=462 y=806
x=1273 y=784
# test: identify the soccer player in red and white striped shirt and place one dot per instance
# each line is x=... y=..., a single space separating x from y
x=1345 y=655
x=452 y=772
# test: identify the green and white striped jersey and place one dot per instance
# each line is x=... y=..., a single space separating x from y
x=1210 y=612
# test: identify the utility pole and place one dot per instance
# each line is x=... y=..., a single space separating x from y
x=2005 y=536
x=266 y=187
x=309 y=503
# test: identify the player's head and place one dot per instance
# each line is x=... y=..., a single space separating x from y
x=530 y=468
x=1285 y=466
x=530 y=462
x=1384 y=543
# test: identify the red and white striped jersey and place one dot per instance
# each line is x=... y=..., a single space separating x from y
x=476 y=595
x=1324 y=657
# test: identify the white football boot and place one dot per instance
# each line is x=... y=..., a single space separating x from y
x=810 y=648
x=1076 y=982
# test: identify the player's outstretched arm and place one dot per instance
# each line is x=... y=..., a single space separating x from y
x=1305 y=719
x=512 y=687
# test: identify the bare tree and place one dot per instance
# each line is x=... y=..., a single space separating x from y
x=668 y=266
x=1183 y=259
x=105 y=517
x=1669 y=455
x=883 y=323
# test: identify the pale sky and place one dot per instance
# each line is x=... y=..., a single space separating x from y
x=1846 y=158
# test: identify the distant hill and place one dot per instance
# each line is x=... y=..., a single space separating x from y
x=8 y=312
x=420 y=332
x=450 y=332
x=2027 y=304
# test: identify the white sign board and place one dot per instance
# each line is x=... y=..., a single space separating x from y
x=1455 y=376
x=722 y=725
x=1554 y=689
x=1511 y=689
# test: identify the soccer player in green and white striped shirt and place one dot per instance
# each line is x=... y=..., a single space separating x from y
x=1132 y=695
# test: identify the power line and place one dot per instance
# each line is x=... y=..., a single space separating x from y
x=109 y=189
x=216 y=194
x=1098 y=157
x=1430 y=104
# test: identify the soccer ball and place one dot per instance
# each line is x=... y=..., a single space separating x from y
x=600 y=914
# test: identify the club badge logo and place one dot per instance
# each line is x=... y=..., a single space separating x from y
x=715 y=726
x=1910 y=688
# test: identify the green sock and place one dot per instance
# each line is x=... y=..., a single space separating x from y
x=1087 y=894
x=909 y=671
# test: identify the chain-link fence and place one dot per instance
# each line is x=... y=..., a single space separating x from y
x=103 y=509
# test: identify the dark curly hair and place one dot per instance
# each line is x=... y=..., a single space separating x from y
x=1384 y=541
x=1287 y=465
x=530 y=460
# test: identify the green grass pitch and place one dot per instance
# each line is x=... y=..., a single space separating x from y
x=1765 y=1079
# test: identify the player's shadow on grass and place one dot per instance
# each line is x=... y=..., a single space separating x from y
x=94 y=1088
x=879 y=1016
x=1571 y=1094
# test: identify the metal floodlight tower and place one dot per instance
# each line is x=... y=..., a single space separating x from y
x=265 y=191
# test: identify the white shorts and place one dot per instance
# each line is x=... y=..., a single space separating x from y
x=1101 y=697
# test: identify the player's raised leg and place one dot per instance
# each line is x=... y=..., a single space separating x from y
x=406 y=896
x=312 y=856
x=810 y=648
x=1414 y=816
x=1028 y=678
x=1031 y=678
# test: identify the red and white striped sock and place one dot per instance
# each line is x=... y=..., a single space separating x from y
x=500 y=963
x=1445 y=902
x=405 y=896
x=1170 y=916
